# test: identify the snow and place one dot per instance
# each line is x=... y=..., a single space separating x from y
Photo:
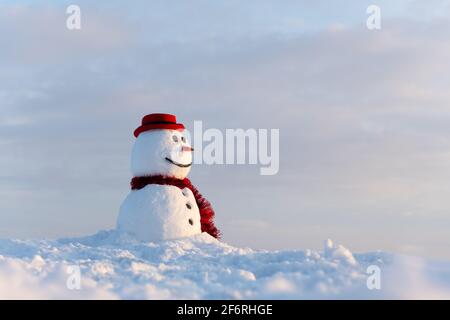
x=159 y=212
x=113 y=265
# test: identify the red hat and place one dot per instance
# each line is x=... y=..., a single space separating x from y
x=158 y=121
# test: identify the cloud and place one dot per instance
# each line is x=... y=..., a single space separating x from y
x=362 y=115
x=37 y=35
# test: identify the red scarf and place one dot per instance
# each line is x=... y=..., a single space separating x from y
x=206 y=210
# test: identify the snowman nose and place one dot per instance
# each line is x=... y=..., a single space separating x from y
x=184 y=148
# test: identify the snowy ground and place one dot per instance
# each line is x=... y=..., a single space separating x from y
x=114 y=266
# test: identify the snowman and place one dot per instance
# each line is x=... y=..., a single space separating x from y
x=163 y=204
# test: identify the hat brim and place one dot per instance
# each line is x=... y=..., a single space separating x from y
x=155 y=126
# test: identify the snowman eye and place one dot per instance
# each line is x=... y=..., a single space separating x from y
x=175 y=138
x=183 y=139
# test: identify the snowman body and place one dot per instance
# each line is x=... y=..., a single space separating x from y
x=160 y=212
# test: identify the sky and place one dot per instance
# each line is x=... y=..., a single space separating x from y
x=363 y=116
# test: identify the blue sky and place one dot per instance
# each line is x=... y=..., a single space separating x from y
x=363 y=115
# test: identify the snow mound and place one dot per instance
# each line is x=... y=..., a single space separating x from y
x=111 y=265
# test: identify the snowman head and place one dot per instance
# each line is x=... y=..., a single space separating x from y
x=161 y=148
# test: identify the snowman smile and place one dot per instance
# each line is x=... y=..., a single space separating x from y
x=179 y=164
